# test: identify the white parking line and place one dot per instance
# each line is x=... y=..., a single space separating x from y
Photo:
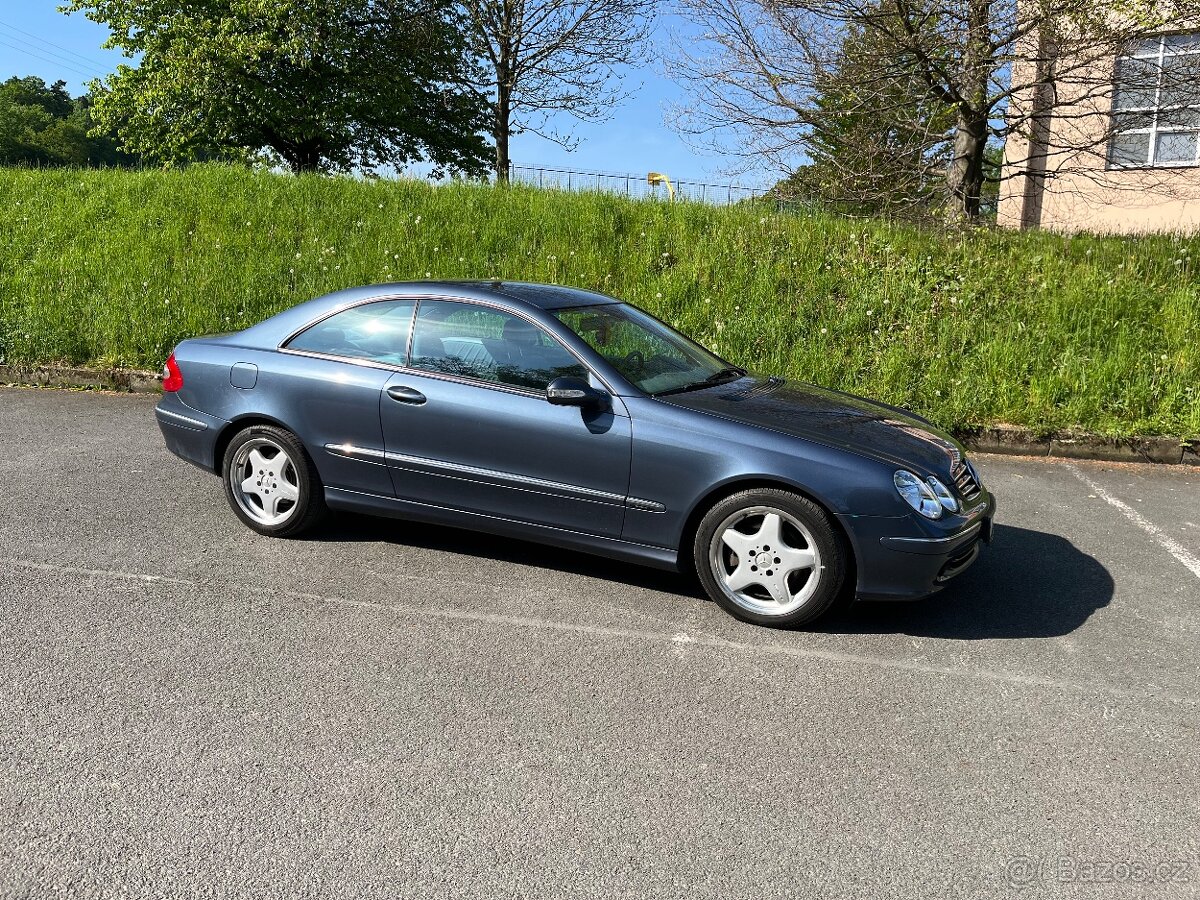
x=681 y=640
x=1164 y=540
x=98 y=573
x=677 y=639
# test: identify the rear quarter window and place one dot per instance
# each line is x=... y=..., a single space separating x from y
x=375 y=331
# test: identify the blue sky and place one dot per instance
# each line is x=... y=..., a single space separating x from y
x=36 y=39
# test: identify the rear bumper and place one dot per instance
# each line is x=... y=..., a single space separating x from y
x=188 y=433
x=909 y=567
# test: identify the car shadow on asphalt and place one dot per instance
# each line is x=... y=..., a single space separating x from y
x=346 y=526
x=1027 y=584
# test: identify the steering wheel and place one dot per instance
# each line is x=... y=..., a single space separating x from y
x=634 y=361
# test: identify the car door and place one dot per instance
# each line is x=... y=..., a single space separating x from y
x=468 y=427
x=326 y=385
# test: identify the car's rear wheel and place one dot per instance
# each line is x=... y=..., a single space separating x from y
x=271 y=483
x=770 y=557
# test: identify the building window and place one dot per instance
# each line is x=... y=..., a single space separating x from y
x=1156 y=104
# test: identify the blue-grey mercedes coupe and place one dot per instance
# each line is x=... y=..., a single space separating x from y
x=570 y=418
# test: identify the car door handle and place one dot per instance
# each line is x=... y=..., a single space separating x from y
x=402 y=394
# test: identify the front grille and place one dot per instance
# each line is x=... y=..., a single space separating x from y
x=966 y=482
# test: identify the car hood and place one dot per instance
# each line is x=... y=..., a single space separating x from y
x=862 y=426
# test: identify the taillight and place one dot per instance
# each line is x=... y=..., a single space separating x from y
x=172 y=377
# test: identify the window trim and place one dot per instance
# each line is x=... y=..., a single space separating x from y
x=406 y=368
x=1155 y=111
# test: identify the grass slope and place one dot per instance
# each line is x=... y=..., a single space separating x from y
x=113 y=268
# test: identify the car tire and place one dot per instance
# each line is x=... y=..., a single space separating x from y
x=771 y=557
x=271 y=482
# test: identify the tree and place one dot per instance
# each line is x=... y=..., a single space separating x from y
x=547 y=56
x=44 y=126
x=319 y=85
x=877 y=143
x=976 y=57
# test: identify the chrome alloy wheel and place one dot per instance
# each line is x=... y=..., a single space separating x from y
x=264 y=480
x=765 y=561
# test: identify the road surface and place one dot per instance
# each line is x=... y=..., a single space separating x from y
x=188 y=709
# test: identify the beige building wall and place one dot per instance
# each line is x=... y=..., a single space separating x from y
x=1055 y=174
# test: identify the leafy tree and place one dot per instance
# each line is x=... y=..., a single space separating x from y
x=33 y=91
x=319 y=85
x=43 y=125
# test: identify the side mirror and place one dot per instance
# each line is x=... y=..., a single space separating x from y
x=566 y=390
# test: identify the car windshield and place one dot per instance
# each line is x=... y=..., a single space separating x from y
x=655 y=358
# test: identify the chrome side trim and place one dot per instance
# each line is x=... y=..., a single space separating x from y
x=521 y=482
x=506 y=479
x=930 y=546
x=176 y=419
x=934 y=542
x=349 y=360
x=653 y=554
x=352 y=452
x=645 y=505
x=404 y=370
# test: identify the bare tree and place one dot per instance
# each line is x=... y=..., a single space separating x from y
x=549 y=56
x=1000 y=67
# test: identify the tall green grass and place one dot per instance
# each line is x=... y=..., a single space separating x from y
x=114 y=268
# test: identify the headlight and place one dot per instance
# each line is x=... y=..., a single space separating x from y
x=943 y=494
x=918 y=494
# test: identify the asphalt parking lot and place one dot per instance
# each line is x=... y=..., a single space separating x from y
x=188 y=709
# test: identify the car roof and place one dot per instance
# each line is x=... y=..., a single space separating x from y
x=273 y=331
x=548 y=296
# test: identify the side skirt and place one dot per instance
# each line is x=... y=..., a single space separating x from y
x=392 y=507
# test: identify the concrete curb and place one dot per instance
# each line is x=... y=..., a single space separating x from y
x=124 y=380
x=1008 y=439
x=1012 y=439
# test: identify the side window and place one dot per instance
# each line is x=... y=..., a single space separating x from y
x=632 y=349
x=488 y=345
x=377 y=331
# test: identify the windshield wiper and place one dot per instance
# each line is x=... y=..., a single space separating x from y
x=724 y=375
x=719 y=377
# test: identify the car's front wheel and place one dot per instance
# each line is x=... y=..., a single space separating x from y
x=271 y=482
x=770 y=557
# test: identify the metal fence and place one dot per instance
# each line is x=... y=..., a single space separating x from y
x=631 y=185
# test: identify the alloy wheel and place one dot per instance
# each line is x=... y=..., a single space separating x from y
x=765 y=560
x=264 y=480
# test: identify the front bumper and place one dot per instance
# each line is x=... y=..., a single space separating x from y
x=909 y=567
